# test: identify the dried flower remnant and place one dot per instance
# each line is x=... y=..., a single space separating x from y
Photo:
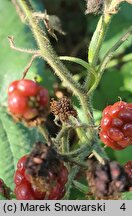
x=63 y=109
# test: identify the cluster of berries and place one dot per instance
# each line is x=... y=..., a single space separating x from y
x=116 y=125
x=41 y=175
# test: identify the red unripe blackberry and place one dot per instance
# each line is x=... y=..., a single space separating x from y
x=19 y=177
x=13 y=86
x=17 y=103
x=27 y=87
x=24 y=191
x=57 y=192
x=42 y=96
x=116 y=125
x=23 y=188
x=21 y=164
x=27 y=100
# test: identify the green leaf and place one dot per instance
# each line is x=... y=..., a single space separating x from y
x=15 y=141
x=127 y=196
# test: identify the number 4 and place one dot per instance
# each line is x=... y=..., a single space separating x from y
x=123 y=207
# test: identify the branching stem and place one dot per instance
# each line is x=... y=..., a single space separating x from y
x=12 y=45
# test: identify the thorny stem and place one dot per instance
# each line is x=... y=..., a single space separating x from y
x=50 y=56
x=48 y=53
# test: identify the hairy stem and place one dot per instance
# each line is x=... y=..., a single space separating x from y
x=61 y=133
x=52 y=59
x=78 y=61
x=84 y=147
x=48 y=53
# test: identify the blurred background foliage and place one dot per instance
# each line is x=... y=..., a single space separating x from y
x=117 y=80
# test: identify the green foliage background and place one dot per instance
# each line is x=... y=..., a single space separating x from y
x=15 y=139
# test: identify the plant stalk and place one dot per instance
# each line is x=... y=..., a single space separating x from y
x=48 y=53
